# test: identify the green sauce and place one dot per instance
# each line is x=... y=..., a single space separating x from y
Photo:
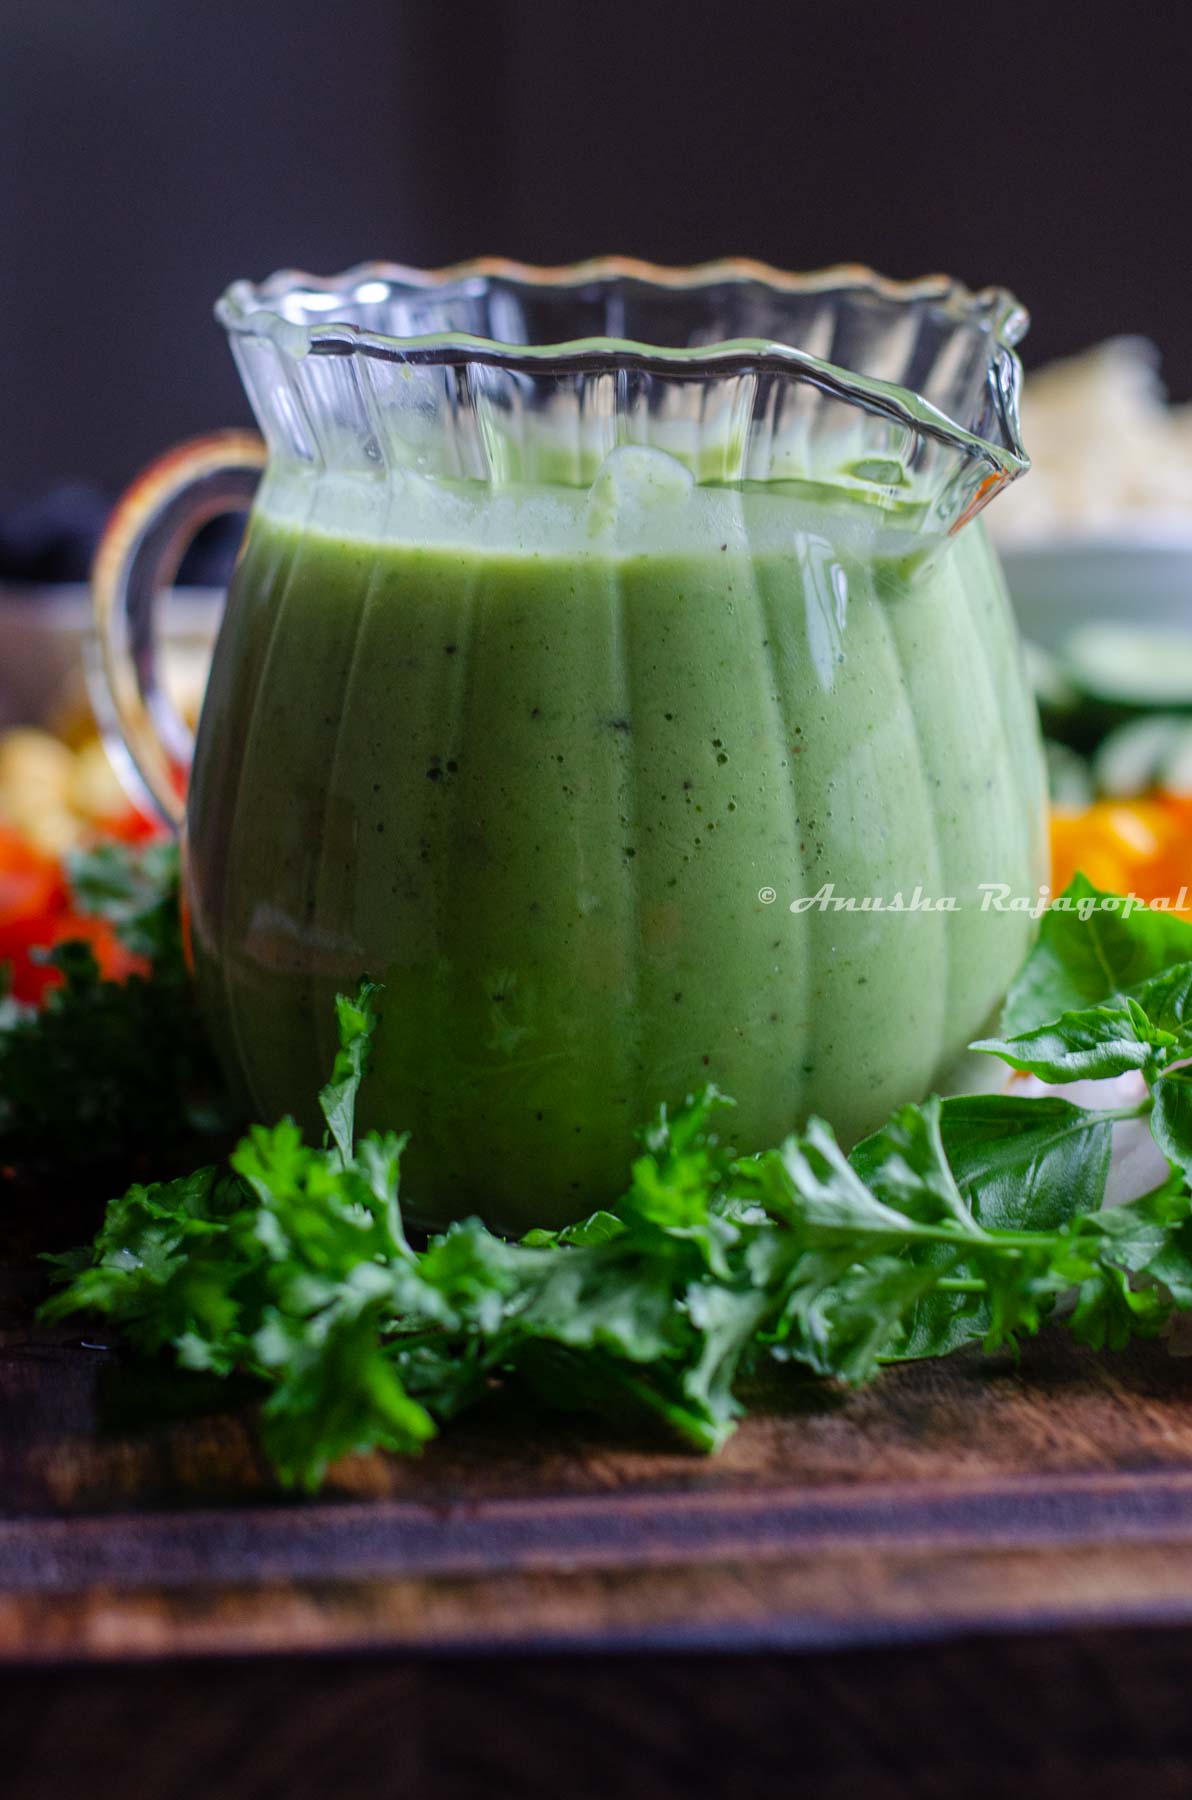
x=538 y=795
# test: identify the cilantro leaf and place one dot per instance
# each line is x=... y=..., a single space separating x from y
x=1171 y=1117
x=849 y=1326
x=357 y=1022
x=1133 y=1264
x=906 y=1162
x=812 y=1186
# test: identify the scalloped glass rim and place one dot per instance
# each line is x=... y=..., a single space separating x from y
x=251 y=309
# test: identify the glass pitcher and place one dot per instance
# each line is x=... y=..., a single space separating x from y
x=615 y=670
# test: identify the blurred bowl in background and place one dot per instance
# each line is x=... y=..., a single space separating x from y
x=44 y=631
x=1108 y=628
x=1096 y=542
x=1141 y=581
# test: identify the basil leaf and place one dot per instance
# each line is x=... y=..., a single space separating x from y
x=1026 y=1163
x=1166 y=1000
x=1087 y=953
x=1020 y=1163
x=1078 y=1046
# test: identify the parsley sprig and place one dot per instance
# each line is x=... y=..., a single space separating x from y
x=961 y=1220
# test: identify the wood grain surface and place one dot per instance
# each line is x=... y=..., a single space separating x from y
x=973 y=1579
x=964 y=1496
x=1103 y=1716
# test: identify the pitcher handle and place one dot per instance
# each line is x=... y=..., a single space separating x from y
x=142 y=545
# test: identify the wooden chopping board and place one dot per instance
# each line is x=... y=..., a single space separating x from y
x=969 y=1495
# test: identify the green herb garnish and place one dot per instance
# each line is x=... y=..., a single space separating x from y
x=961 y=1220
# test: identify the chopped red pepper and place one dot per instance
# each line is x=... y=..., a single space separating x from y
x=32 y=897
x=36 y=913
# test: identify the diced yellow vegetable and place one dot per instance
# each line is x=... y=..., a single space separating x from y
x=36 y=771
x=95 y=789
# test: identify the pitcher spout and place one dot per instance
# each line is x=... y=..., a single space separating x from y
x=904 y=394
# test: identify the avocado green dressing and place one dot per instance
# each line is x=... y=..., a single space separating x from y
x=537 y=794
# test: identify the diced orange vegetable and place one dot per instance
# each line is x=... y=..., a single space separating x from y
x=32 y=893
x=1138 y=846
x=129 y=826
x=116 y=962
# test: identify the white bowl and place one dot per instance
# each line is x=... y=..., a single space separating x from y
x=1064 y=583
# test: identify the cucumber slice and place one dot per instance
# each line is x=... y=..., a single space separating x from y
x=1050 y=682
x=1154 y=751
x=1069 y=781
x=1176 y=775
x=1129 y=666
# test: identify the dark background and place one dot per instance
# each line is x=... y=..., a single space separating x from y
x=154 y=149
